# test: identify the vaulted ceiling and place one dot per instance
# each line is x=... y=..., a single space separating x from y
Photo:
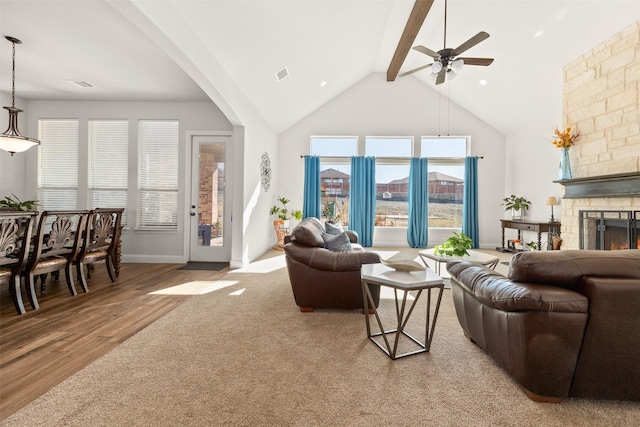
x=334 y=41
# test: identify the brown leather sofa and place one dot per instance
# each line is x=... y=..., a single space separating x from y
x=563 y=323
x=324 y=278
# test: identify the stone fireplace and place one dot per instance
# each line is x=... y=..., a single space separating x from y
x=601 y=98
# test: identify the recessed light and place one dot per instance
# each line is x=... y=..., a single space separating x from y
x=79 y=83
x=483 y=82
x=538 y=33
x=323 y=83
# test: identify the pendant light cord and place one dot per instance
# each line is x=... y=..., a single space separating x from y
x=13 y=77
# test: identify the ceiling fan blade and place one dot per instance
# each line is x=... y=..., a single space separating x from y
x=426 y=51
x=441 y=76
x=477 y=61
x=414 y=70
x=470 y=43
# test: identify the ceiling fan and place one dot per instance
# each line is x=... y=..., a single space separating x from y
x=447 y=61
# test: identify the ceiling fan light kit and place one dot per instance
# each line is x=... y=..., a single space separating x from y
x=12 y=140
x=447 y=62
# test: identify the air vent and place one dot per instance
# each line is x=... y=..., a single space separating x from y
x=282 y=74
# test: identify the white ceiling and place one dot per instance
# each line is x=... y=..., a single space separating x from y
x=337 y=41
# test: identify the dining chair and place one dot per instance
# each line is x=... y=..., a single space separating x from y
x=16 y=228
x=56 y=245
x=100 y=241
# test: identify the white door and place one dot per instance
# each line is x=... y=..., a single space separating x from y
x=210 y=207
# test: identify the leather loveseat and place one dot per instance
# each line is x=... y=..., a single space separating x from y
x=324 y=269
x=562 y=324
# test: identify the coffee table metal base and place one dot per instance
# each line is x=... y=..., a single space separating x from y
x=402 y=315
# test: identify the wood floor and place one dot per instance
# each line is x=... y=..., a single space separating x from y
x=41 y=348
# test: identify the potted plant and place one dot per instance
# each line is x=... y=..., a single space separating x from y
x=458 y=244
x=516 y=204
x=283 y=213
x=533 y=246
x=15 y=204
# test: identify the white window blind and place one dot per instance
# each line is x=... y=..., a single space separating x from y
x=58 y=164
x=108 y=164
x=158 y=174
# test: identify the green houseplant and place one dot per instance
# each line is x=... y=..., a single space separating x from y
x=458 y=244
x=283 y=213
x=15 y=204
x=516 y=204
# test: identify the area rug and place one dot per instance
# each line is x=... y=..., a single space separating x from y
x=213 y=266
x=244 y=355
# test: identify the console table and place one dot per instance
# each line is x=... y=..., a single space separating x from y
x=524 y=225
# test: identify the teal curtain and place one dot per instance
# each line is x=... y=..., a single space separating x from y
x=311 y=203
x=362 y=198
x=418 y=230
x=470 y=200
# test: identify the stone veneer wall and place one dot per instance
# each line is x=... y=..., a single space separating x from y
x=601 y=97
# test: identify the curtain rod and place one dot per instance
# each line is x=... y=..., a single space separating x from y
x=480 y=157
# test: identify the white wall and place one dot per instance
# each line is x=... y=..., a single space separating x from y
x=406 y=107
x=12 y=168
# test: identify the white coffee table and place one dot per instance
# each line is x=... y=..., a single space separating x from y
x=382 y=275
x=478 y=257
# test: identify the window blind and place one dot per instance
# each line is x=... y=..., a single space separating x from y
x=158 y=174
x=58 y=164
x=108 y=164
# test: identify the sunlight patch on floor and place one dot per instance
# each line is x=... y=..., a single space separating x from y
x=238 y=292
x=199 y=287
x=264 y=266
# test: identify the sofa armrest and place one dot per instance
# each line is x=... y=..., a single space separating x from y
x=497 y=291
x=324 y=259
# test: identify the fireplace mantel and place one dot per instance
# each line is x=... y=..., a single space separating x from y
x=617 y=185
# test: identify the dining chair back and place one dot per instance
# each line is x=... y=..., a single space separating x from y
x=16 y=228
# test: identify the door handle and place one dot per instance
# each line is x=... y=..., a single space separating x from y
x=193 y=214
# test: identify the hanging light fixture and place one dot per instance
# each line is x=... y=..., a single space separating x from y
x=12 y=140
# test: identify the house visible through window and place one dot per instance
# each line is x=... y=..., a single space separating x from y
x=446 y=176
x=158 y=174
x=108 y=164
x=58 y=164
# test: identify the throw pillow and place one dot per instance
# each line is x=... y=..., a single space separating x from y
x=339 y=243
x=333 y=228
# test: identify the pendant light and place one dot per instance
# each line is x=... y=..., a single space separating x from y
x=12 y=140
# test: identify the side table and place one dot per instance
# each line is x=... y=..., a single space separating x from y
x=405 y=282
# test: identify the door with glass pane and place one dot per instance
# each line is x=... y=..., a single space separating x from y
x=209 y=209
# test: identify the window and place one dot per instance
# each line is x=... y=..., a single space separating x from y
x=158 y=174
x=446 y=179
x=108 y=164
x=335 y=174
x=446 y=176
x=392 y=179
x=58 y=164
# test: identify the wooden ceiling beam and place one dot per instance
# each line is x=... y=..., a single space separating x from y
x=414 y=23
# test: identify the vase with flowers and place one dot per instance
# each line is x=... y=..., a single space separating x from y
x=564 y=140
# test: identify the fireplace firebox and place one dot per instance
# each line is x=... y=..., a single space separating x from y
x=609 y=230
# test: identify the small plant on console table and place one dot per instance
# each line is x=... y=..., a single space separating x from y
x=458 y=244
x=516 y=204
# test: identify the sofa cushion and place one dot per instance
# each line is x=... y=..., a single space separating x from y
x=497 y=291
x=565 y=268
x=333 y=228
x=309 y=233
x=338 y=243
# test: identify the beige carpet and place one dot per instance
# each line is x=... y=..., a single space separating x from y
x=243 y=355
